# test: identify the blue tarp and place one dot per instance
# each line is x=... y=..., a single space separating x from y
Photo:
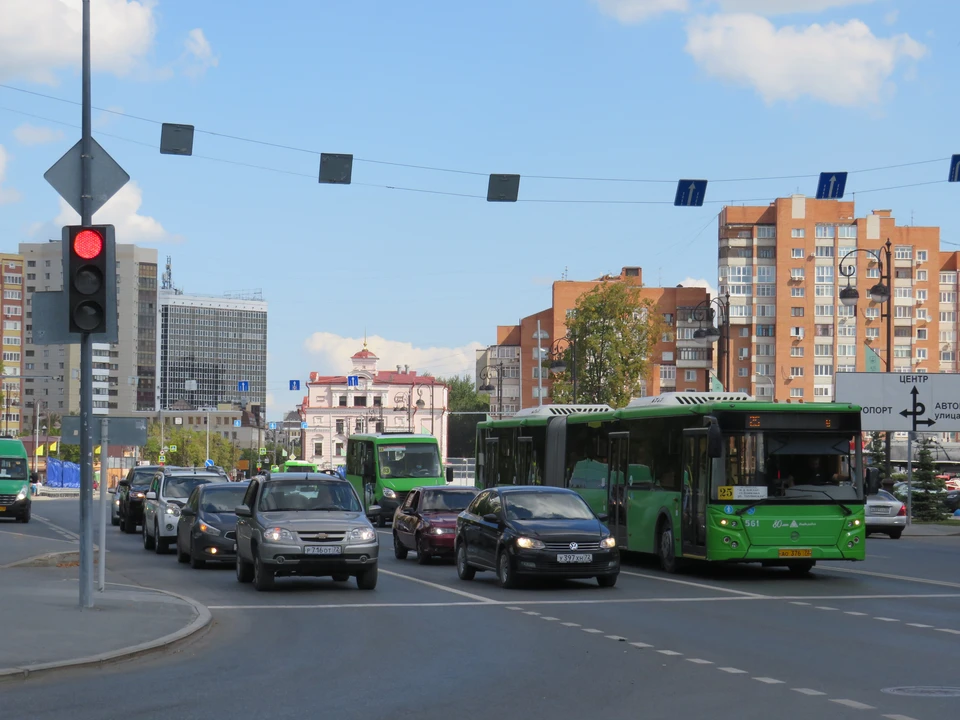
x=62 y=474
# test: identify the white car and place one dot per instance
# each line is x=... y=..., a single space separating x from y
x=168 y=493
x=885 y=514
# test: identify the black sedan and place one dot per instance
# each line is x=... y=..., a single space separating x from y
x=526 y=530
x=207 y=529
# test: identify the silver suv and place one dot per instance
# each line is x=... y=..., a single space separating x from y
x=168 y=493
x=306 y=524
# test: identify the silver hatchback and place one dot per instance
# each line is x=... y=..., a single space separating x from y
x=885 y=514
x=304 y=524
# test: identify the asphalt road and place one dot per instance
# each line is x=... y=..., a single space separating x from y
x=718 y=643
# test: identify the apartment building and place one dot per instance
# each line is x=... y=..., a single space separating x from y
x=498 y=372
x=680 y=363
x=781 y=265
x=14 y=384
x=123 y=373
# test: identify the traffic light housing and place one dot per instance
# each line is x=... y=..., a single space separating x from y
x=90 y=278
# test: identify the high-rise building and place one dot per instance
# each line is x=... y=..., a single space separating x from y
x=11 y=284
x=207 y=346
x=679 y=362
x=123 y=373
x=781 y=265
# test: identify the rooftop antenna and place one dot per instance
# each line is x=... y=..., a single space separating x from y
x=167 y=279
x=564 y=276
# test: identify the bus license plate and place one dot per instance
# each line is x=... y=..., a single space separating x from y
x=574 y=558
x=796 y=553
x=322 y=550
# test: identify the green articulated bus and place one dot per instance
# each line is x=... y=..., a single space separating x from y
x=698 y=476
x=385 y=467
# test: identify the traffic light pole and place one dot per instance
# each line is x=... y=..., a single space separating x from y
x=86 y=341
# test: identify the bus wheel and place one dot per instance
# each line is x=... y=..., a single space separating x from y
x=666 y=549
x=801 y=568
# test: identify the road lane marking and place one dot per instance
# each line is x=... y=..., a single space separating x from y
x=888 y=576
x=825 y=607
x=593 y=631
x=571 y=624
x=669 y=652
x=899 y=717
x=530 y=612
x=769 y=681
x=548 y=618
x=641 y=645
x=336 y=606
x=948 y=630
x=62 y=530
x=919 y=625
x=698 y=661
x=854 y=704
x=702 y=586
x=808 y=691
x=797 y=602
x=732 y=670
x=438 y=586
x=854 y=612
x=886 y=619
x=512 y=607
x=618 y=638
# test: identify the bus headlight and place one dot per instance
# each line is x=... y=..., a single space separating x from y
x=853 y=523
x=389 y=494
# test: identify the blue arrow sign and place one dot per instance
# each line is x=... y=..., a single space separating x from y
x=831 y=185
x=353 y=381
x=272 y=426
x=303 y=426
x=208 y=463
x=236 y=423
x=294 y=384
x=243 y=386
x=955 y=169
x=690 y=193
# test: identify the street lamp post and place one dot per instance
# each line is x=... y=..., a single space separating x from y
x=493 y=372
x=558 y=365
x=703 y=312
x=401 y=403
x=881 y=293
x=538 y=336
x=421 y=404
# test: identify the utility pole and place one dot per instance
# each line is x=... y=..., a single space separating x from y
x=104 y=501
x=36 y=437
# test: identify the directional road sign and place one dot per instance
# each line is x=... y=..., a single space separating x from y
x=303 y=426
x=208 y=463
x=106 y=177
x=263 y=451
x=173 y=448
x=236 y=423
x=831 y=185
x=294 y=384
x=353 y=381
x=243 y=386
x=901 y=402
x=690 y=193
x=272 y=426
x=162 y=458
x=955 y=169
x=130 y=431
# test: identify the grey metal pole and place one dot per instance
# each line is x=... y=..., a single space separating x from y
x=36 y=437
x=208 y=437
x=889 y=279
x=104 y=502
x=910 y=437
x=86 y=341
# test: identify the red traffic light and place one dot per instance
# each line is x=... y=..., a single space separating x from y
x=88 y=244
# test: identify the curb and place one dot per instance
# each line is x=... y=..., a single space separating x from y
x=50 y=559
x=200 y=622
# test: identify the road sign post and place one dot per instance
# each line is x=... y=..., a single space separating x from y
x=104 y=502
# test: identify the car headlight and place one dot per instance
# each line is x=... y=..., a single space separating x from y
x=389 y=494
x=208 y=529
x=361 y=535
x=139 y=495
x=529 y=543
x=172 y=510
x=117 y=502
x=608 y=542
x=441 y=531
x=279 y=535
x=22 y=495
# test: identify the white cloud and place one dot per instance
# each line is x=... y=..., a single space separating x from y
x=331 y=355
x=691 y=282
x=634 y=11
x=891 y=17
x=28 y=134
x=840 y=64
x=198 y=55
x=123 y=212
x=784 y=7
x=40 y=37
x=7 y=195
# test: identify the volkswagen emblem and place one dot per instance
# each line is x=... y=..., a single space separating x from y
x=573 y=546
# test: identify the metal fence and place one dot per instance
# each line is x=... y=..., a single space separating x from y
x=463 y=471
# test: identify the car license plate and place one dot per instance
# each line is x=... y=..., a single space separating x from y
x=796 y=553
x=323 y=550
x=880 y=511
x=574 y=558
x=3 y=508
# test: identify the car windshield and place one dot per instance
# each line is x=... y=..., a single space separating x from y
x=447 y=500
x=222 y=499
x=179 y=488
x=308 y=495
x=140 y=488
x=411 y=460
x=13 y=468
x=545 y=506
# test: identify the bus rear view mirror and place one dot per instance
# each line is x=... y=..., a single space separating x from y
x=714 y=440
x=449 y=474
x=873 y=480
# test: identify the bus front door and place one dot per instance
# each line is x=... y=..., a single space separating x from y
x=524 y=460
x=617 y=486
x=491 y=459
x=696 y=489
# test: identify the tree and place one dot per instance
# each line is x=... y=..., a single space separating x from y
x=927 y=488
x=191 y=447
x=614 y=333
x=462 y=397
x=877 y=451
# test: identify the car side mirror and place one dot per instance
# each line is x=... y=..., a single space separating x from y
x=187 y=512
x=603 y=517
x=492 y=518
x=449 y=474
x=112 y=491
x=242 y=511
x=151 y=495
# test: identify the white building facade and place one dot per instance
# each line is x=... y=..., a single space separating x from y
x=368 y=400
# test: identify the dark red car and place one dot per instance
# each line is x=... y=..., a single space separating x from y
x=427 y=521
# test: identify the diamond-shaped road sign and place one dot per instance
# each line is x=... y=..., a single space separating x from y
x=107 y=177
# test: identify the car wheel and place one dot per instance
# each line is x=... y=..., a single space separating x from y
x=341 y=577
x=263 y=578
x=423 y=557
x=114 y=520
x=464 y=570
x=244 y=570
x=505 y=574
x=801 y=568
x=399 y=551
x=197 y=563
x=25 y=518
x=159 y=546
x=607 y=581
x=367 y=580
x=182 y=557
x=127 y=525
x=381 y=521
x=666 y=549
x=895 y=534
x=148 y=542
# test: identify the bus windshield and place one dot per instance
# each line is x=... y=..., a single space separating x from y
x=13 y=469
x=797 y=465
x=412 y=460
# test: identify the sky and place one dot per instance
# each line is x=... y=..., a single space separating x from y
x=624 y=96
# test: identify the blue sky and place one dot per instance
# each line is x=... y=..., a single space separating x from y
x=639 y=89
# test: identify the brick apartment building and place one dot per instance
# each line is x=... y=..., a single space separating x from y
x=680 y=363
x=791 y=334
x=16 y=394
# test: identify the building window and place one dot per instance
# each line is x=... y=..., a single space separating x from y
x=766 y=310
x=318 y=448
x=826 y=231
x=902 y=311
x=796 y=253
x=823 y=350
x=823 y=291
x=948 y=316
x=766 y=273
x=823 y=310
x=847 y=231
x=796 y=311
x=921 y=353
x=798 y=233
x=921 y=334
x=948 y=355
x=822 y=391
x=948 y=278
x=846 y=350
x=796 y=392
x=377 y=401
x=766 y=290
x=358 y=426
x=744 y=332
x=690 y=375
x=767 y=232
x=667 y=357
x=668 y=374
x=796 y=273
x=766 y=253
x=538 y=392
x=764 y=350
x=743 y=372
x=922 y=295
x=823 y=370
x=798 y=292
x=796 y=371
x=359 y=400
x=947 y=297
x=744 y=353
x=903 y=252
x=766 y=330
x=536 y=372
x=922 y=314
x=921 y=275
x=825 y=274
x=340 y=426
x=343 y=401
x=796 y=351
x=824 y=251
x=339 y=449
x=922 y=255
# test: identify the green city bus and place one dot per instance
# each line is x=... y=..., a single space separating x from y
x=15 y=501
x=698 y=476
x=297 y=466
x=385 y=467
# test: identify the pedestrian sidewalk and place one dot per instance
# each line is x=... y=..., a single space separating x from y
x=50 y=631
x=16 y=545
x=914 y=530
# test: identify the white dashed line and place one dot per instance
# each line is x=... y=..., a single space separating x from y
x=854 y=704
x=899 y=717
x=886 y=619
x=769 y=681
x=514 y=608
x=593 y=631
x=531 y=612
x=948 y=630
x=919 y=625
x=825 y=607
x=807 y=691
x=698 y=661
x=548 y=618
x=570 y=624
x=796 y=602
x=732 y=670
x=615 y=637
x=888 y=576
x=854 y=612
x=641 y=645
x=669 y=652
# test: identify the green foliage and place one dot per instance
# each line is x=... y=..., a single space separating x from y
x=463 y=396
x=877 y=451
x=927 y=488
x=191 y=447
x=614 y=334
